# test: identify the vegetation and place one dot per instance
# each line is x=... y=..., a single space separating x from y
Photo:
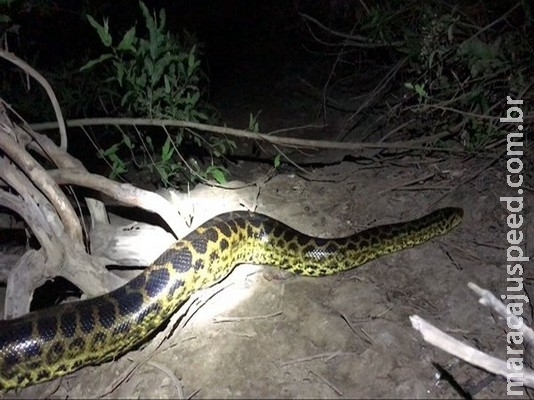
x=158 y=77
x=456 y=65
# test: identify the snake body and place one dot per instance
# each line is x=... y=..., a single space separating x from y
x=49 y=343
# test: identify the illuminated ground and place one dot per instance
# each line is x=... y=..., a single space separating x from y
x=344 y=336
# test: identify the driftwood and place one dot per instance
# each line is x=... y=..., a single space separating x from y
x=39 y=197
x=475 y=357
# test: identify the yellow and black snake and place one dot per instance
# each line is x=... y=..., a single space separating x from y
x=49 y=343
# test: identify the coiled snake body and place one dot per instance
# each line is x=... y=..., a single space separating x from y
x=49 y=343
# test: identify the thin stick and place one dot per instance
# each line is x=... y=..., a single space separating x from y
x=475 y=357
x=12 y=58
x=489 y=300
x=327 y=382
x=326 y=356
x=252 y=318
x=415 y=144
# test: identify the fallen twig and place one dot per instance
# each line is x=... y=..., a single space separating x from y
x=415 y=144
x=475 y=357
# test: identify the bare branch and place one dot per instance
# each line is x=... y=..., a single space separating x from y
x=489 y=300
x=41 y=180
x=125 y=193
x=49 y=91
x=415 y=144
x=350 y=39
x=447 y=343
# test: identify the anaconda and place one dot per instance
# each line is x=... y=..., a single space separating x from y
x=49 y=343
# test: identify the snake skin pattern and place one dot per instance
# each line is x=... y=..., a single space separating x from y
x=49 y=343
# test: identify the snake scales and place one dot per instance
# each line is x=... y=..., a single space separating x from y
x=49 y=343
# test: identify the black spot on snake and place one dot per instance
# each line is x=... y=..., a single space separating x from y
x=212 y=235
x=225 y=230
x=177 y=284
x=279 y=231
x=302 y=240
x=67 y=324
x=43 y=374
x=106 y=314
x=129 y=303
x=292 y=247
x=320 y=242
x=267 y=228
x=55 y=353
x=366 y=235
x=10 y=360
x=240 y=223
x=99 y=337
x=137 y=283
x=332 y=248
x=364 y=243
x=62 y=367
x=156 y=282
x=200 y=245
x=288 y=236
x=23 y=377
x=152 y=309
x=76 y=344
x=223 y=245
x=87 y=321
x=47 y=328
x=181 y=261
x=257 y=223
x=310 y=251
x=124 y=327
x=22 y=332
x=198 y=265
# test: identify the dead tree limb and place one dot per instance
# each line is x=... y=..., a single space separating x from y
x=447 y=343
x=49 y=91
x=35 y=194
x=415 y=144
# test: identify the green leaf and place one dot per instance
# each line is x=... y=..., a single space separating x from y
x=128 y=40
x=111 y=150
x=191 y=62
x=276 y=161
x=167 y=150
x=102 y=30
x=96 y=61
x=127 y=141
x=420 y=90
x=167 y=84
x=217 y=174
x=120 y=72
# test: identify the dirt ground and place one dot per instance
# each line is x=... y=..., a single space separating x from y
x=258 y=334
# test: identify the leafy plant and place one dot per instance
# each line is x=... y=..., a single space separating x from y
x=419 y=89
x=460 y=75
x=159 y=77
